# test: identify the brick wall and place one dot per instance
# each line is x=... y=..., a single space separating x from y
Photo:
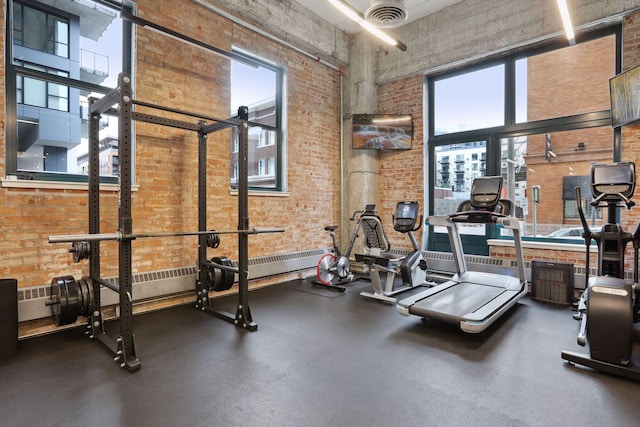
x=175 y=74
x=401 y=172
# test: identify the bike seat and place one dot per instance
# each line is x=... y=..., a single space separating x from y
x=331 y=228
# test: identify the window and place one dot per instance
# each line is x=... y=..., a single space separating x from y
x=40 y=93
x=39 y=30
x=234 y=172
x=547 y=119
x=55 y=62
x=260 y=88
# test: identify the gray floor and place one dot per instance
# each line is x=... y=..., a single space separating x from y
x=318 y=359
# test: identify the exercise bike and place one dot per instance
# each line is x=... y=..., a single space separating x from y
x=411 y=268
x=610 y=305
x=335 y=264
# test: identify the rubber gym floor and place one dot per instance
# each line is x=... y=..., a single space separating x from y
x=319 y=358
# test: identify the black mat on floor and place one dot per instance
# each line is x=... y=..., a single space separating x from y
x=317 y=362
x=310 y=287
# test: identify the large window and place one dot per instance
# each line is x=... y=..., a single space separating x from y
x=259 y=86
x=544 y=117
x=58 y=55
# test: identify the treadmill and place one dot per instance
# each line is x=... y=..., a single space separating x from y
x=473 y=299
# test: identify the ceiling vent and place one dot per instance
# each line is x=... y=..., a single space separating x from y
x=386 y=13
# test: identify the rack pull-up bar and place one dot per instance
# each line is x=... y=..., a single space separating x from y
x=168 y=32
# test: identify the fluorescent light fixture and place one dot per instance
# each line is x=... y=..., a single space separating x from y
x=356 y=16
x=566 y=21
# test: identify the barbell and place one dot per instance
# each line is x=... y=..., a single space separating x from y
x=119 y=236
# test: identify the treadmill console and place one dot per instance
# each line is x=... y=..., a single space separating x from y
x=485 y=192
x=406 y=215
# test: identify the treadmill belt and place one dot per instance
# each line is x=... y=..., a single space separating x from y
x=455 y=302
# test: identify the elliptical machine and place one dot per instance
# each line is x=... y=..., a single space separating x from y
x=610 y=305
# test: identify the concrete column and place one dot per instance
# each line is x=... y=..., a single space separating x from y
x=360 y=166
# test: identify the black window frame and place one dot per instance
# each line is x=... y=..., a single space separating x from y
x=279 y=127
x=494 y=135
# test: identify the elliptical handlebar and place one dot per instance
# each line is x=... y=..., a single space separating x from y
x=419 y=223
x=587 y=230
x=628 y=202
x=355 y=215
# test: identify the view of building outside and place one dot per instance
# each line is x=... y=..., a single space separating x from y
x=573 y=80
x=255 y=88
x=70 y=39
x=565 y=82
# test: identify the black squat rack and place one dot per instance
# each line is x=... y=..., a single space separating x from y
x=71 y=298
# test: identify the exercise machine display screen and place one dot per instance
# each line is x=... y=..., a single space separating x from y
x=485 y=191
x=406 y=210
x=406 y=215
x=613 y=179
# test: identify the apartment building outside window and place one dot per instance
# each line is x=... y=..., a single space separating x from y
x=261 y=89
x=54 y=63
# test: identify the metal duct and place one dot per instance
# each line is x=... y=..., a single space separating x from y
x=386 y=13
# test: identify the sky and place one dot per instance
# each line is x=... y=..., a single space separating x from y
x=250 y=85
x=476 y=100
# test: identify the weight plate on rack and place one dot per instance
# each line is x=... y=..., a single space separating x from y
x=65 y=291
x=219 y=279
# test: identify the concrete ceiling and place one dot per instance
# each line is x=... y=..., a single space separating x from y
x=415 y=9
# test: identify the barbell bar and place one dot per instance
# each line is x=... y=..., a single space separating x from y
x=70 y=238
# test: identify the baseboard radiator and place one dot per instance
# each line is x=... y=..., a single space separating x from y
x=31 y=300
x=443 y=262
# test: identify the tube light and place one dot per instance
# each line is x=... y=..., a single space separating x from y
x=356 y=16
x=566 y=21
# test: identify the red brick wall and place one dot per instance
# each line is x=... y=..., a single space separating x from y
x=401 y=172
x=175 y=74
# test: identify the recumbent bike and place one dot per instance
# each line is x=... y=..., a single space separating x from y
x=411 y=268
x=610 y=305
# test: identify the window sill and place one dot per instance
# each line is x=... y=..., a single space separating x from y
x=263 y=193
x=552 y=246
x=56 y=185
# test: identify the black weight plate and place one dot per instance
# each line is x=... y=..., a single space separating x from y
x=222 y=279
x=85 y=289
x=56 y=283
x=83 y=297
x=69 y=304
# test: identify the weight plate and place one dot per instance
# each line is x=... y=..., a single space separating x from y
x=73 y=302
x=213 y=240
x=64 y=290
x=56 y=298
x=85 y=289
x=222 y=279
